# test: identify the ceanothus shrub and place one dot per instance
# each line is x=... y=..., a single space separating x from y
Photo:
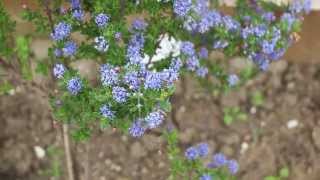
x=140 y=61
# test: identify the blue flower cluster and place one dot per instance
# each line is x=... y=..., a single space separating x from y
x=151 y=121
x=192 y=58
x=219 y=160
x=59 y=70
x=120 y=94
x=61 y=31
x=109 y=76
x=194 y=152
x=74 y=85
x=182 y=7
x=101 y=44
x=102 y=20
x=107 y=112
x=69 y=49
x=233 y=80
x=206 y=177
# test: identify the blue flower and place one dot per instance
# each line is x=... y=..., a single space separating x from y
x=187 y=48
x=220 y=44
x=109 y=76
x=61 y=31
x=106 y=112
x=191 y=153
x=206 y=177
x=74 y=85
x=134 y=49
x=176 y=64
x=233 y=79
x=268 y=47
x=218 y=160
x=58 y=52
x=230 y=24
x=132 y=80
x=59 y=70
x=102 y=20
x=233 y=166
x=78 y=14
x=202 y=72
x=75 y=4
x=69 y=48
x=203 y=53
x=192 y=63
x=170 y=76
x=203 y=149
x=182 y=7
x=120 y=94
x=101 y=44
x=118 y=36
x=137 y=128
x=289 y=19
x=154 y=119
x=299 y=6
x=139 y=24
x=269 y=16
x=153 y=81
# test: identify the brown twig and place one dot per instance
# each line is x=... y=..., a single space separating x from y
x=68 y=151
x=48 y=11
x=87 y=162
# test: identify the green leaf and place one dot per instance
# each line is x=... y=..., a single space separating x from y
x=228 y=119
x=284 y=172
x=271 y=178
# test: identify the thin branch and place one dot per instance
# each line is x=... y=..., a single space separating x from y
x=67 y=151
x=48 y=11
x=87 y=162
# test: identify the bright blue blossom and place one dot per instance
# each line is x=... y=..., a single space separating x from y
x=132 y=79
x=61 y=31
x=269 y=16
x=206 y=177
x=74 y=85
x=153 y=80
x=176 y=64
x=233 y=79
x=120 y=94
x=191 y=153
x=78 y=14
x=192 y=63
x=230 y=24
x=203 y=53
x=109 y=76
x=268 y=47
x=289 y=19
x=59 y=70
x=139 y=24
x=170 y=76
x=106 y=112
x=220 y=44
x=218 y=160
x=101 y=44
x=134 y=49
x=69 y=48
x=154 y=119
x=203 y=149
x=233 y=166
x=75 y=4
x=58 y=52
x=182 y=7
x=137 y=128
x=118 y=36
x=102 y=20
x=299 y=6
x=202 y=71
x=187 y=48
